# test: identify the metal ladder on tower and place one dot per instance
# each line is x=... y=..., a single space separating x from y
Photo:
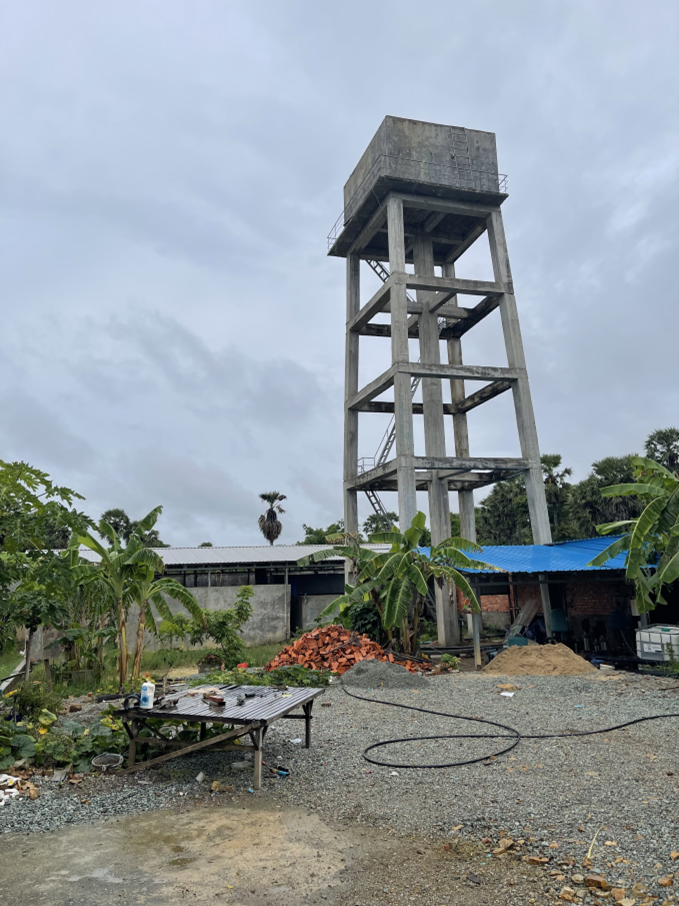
x=460 y=154
x=386 y=445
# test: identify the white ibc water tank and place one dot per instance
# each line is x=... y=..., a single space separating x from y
x=655 y=642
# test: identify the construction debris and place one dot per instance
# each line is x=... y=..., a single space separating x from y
x=338 y=649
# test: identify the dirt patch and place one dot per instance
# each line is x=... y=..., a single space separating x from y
x=539 y=660
x=252 y=856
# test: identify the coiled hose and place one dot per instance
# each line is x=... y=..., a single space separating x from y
x=513 y=735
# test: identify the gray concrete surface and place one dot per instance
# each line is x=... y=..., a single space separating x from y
x=270 y=620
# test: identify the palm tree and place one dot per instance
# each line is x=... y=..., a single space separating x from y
x=269 y=523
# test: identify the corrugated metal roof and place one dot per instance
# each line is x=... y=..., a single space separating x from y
x=234 y=556
x=565 y=557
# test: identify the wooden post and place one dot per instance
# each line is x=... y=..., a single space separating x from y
x=48 y=675
x=434 y=432
x=29 y=643
x=403 y=408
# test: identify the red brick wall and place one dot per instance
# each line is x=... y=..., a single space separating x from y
x=591 y=599
x=495 y=603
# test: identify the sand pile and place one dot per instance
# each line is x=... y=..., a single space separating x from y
x=539 y=660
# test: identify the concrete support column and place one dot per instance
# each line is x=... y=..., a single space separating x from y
x=465 y=499
x=351 y=416
x=434 y=432
x=403 y=407
x=523 y=404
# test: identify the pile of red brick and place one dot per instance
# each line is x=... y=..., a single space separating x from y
x=338 y=649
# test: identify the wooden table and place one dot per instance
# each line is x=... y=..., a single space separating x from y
x=263 y=705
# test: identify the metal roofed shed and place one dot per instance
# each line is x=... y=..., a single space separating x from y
x=564 y=556
x=287 y=597
x=591 y=609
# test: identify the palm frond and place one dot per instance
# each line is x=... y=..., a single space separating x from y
x=618 y=546
x=177 y=592
x=460 y=582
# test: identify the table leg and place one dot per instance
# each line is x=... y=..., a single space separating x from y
x=257 y=739
x=132 y=751
x=202 y=732
x=307 y=723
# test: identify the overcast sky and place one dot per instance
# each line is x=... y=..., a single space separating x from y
x=172 y=330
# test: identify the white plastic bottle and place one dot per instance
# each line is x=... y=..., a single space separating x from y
x=148 y=690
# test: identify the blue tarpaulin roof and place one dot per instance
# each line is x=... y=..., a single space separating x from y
x=565 y=557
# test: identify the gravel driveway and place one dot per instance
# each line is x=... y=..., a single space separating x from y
x=553 y=794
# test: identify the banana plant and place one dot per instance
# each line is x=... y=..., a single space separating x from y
x=128 y=571
x=150 y=593
x=397 y=580
x=651 y=541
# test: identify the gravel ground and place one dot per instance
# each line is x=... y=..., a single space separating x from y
x=554 y=794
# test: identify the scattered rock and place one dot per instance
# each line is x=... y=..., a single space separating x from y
x=75 y=707
x=219 y=787
x=506 y=843
x=594 y=880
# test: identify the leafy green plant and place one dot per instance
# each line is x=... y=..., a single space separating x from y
x=35 y=581
x=129 y=572
x=364 y=618
x=175 y=629
x=450 y=662
x=31 y=698
x=224 y=626
x=396 y=581
x=651 y=541
x=281 y=676
x=15 y=744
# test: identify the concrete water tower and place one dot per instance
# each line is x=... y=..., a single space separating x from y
x=422 y=194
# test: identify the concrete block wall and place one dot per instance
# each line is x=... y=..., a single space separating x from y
x=270 y=620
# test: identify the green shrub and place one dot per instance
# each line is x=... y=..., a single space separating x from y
x=450 y=662
x=282 y=676
x=32 y=698
x=224 y=625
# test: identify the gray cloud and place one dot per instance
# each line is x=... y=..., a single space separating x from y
x=172 y=330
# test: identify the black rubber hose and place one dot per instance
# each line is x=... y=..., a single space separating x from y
x=513 y=735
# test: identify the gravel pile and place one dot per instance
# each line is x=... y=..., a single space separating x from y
x=552 y=794
x=383 y=675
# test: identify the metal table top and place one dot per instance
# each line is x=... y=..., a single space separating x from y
x=263 y=705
